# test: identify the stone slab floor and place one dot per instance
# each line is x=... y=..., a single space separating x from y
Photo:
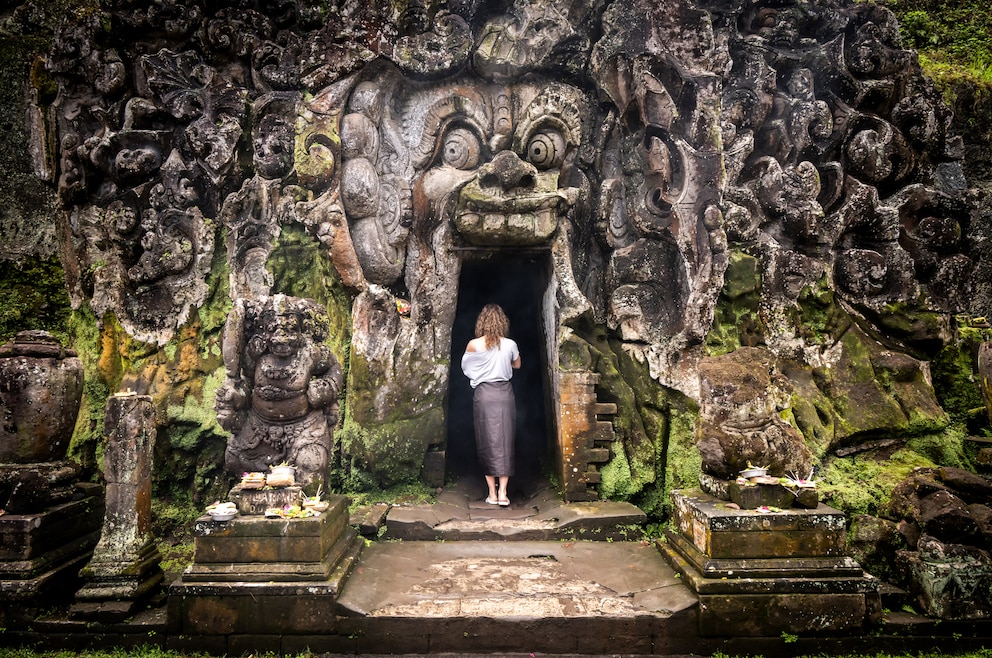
x=514 y=579
x=517 y=596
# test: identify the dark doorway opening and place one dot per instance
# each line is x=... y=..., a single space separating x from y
x=518 y=284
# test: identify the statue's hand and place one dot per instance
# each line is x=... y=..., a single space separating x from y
x=320 y=392
x=231 y=395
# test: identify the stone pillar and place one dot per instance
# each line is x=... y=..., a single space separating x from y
x=124 y=571
x=584 y=439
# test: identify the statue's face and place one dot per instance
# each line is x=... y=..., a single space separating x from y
x=487 y=157
x=285 y=335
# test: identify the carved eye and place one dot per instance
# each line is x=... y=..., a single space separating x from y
x=546 y=149
x=461 y=149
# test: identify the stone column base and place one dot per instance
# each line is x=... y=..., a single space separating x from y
x=250 y=570
x=116 y=590
x=41 y=554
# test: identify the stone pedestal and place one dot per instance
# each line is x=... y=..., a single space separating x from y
x=41 y=553
x=762 y=574
x=124 y=571
x=257 y=549
x=252 y=568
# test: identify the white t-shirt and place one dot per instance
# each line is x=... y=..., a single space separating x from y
x=493 y=365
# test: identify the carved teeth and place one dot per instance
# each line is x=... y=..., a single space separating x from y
x=493 y=222
x=517 y=220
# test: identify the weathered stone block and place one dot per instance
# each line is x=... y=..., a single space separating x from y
x=720 y=531
x=762 y=574
x=255 y=608
x=30 y=536
x=771 y=615
x=256 y=539
x=757 y=568
x=949 y=581
x=254 y=502
x=757 y=495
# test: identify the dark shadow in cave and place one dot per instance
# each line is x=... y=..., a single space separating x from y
x=518 y=285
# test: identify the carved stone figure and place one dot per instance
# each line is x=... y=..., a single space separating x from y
x=280 y=397
x=742 y=395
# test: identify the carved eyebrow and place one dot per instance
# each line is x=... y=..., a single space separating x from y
x=553 y=107
x=468 y=106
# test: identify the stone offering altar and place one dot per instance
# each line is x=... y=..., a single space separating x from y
x=285 y=554
x=760 y=573
x=254 y=574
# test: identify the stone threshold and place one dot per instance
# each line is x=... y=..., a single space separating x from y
x=536 y=513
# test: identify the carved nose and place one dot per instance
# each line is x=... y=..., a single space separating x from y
x=507 y=171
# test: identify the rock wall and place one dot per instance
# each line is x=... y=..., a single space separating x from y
x=754 y=218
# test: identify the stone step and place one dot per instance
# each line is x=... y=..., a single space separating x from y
x=527 y=596
x=895 y=598
x=536 y=513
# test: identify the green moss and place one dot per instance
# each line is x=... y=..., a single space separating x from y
x=86 y=447
x=34 y=297
x=300 y=267
x=195 y=419
x=946 y=448
x=410 y=493
x=953 y=371
x=736 y=320
x=388 y=453
x=617 y=483
x=863 y=483
x=683 y=463
x=819 y=319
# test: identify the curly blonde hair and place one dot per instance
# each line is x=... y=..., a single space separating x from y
x=493 y=324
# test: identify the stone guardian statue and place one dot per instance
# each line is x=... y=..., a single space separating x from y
x=280 y=397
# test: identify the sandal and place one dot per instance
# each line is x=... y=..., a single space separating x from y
x=491 y=501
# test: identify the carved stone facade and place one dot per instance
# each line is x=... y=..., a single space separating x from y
x=631 y=145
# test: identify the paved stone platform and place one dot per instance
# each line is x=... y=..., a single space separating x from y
x=521 y=596
x=536 y=513
x=514 y=579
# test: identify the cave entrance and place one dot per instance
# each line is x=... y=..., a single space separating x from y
x=519 y=284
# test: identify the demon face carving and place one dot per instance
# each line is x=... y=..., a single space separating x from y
x=499 y=161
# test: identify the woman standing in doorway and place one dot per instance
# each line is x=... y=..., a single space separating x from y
x=488 y=362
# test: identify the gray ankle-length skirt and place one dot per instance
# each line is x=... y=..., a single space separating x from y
x=495 y=414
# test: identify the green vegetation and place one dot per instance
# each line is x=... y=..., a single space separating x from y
x=862 y=484
x=951 y=33
x=413 y=493
x=34 y=297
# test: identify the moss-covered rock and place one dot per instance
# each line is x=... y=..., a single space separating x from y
x=300 y=267
x=654 y=451
x=736 y=319
x=863 y=483
x=34 y=297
